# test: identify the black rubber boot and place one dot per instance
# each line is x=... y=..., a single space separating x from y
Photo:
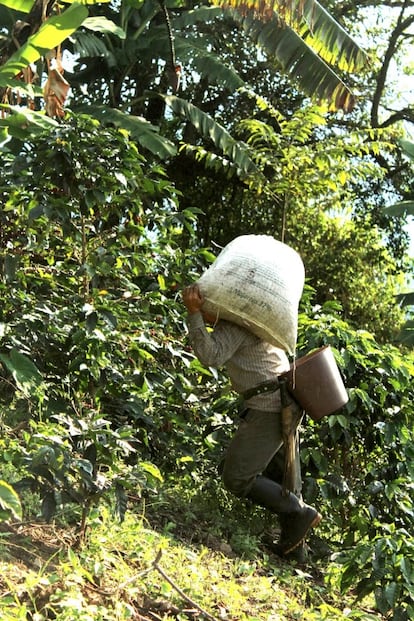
x=297 y=517
x=299 y=555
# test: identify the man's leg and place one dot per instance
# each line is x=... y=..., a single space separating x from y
x=252 y=448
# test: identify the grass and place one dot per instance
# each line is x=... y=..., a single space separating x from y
x=170 y=561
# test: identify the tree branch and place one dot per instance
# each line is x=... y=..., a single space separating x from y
x=406 y=114
x=401 y=26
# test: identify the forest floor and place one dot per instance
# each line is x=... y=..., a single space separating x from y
x=164 y=571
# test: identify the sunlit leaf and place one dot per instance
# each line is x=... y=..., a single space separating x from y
x=152 y=470
x=161 y=282
x=23 y=370
x=102 y=24
x=298 y=60
x=19 y=5
x=310 y=21
x=9 y=500
x=23 y=122
x=54 y=30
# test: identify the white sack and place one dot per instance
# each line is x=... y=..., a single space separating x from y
x=257 y=282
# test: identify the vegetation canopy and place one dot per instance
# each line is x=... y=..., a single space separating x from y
x=175 y=129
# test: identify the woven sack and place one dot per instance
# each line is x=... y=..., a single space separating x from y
x=256 y=282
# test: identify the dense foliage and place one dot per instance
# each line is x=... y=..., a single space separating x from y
x=101 y=398
x=237 y=121
x=361 y=462
x=104 y=221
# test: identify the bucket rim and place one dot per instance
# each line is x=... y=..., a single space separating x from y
x=311 y=355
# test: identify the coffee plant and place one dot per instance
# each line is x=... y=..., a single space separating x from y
x=101 y=398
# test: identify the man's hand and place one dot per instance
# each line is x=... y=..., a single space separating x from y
x=193 y=299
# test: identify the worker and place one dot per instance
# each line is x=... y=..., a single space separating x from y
x=254 y=368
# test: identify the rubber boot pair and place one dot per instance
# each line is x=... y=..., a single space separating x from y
x=297 y=518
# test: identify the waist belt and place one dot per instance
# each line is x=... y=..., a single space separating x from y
x=264 y=387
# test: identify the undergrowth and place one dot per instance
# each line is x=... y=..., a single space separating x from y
x=165 y=561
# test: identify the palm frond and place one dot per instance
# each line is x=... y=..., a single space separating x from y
x=403 y=208
x=406 y=299
x=298 y=61
x=140 y=129
x=236 y=151
x=211 y=160
x=406 y=335
x=193 y=50
x=201 y=15
x=207 y=64
x=408 y=148
x=86 y=44
x=312 y=23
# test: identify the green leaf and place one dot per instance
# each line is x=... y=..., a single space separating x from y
x=347 y=578
x=408 y=148
x=406 y=299
x=139 y=128
x=161 y=282
x=87 y=1
x=391 y=593
x=121 y=502
x=23 y=122
x=151 y=469
x=310 y=21
x=19 y=5
x=235 y=150
x=9 y=500
x=201 y=15
x=3 y=135
x=25 y=6
x=402 y=208
x=298 y=60
x=207 y=63
x=144 y=354
x=102 y=24
x=54 y=30
x=406 y=335
x=342 y=421
x=24 y=372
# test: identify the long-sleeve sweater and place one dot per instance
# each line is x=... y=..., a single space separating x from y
x=248 y=360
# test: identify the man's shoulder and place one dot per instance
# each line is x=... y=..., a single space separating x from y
x=236 y=328
x=231 y=327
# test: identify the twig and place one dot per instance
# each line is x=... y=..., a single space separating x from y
x=152 y=616
x=134 y=577
x=177 y=588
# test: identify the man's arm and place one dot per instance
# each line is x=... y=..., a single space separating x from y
x=213 y=349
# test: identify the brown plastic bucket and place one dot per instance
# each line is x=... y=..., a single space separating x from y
x=316 y=384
